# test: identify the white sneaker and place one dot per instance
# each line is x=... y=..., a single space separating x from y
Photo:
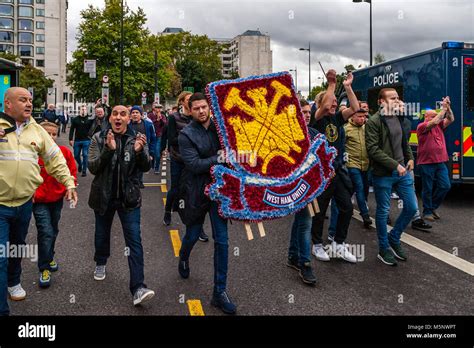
x=340 y=251
x=320 y=253
x=17 y=293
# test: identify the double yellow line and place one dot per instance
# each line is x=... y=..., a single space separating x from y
x=194 y=306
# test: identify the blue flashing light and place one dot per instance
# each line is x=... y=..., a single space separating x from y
x=453 y=44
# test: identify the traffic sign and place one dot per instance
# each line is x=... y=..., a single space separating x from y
x=90 y=66
x=144 y=95
x=105 y=79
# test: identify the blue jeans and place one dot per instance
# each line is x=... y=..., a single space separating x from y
x=360 y=181
x=333 y=219
x=14 y=223
x=157 y=157
x=131 y=230
x=47 y=216
x=175 y=172
x=429 y=174
x=81 y=146
x=221 y=246
x=300 y=241
x=383 y=186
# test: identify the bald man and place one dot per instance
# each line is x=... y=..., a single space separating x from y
x=22 y=142
x=50 y=114
x=432 y=158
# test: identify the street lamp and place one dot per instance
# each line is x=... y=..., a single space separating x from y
x=295 y=70
x=121 y=55
x=370 y=3
x=309 y=60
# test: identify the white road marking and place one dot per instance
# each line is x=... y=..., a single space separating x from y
x=429 y=249
x=163 y=181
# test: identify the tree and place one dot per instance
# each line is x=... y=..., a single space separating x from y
x=30 y=77
x=196 y=58
x=315 y=91
x=99 y=37
x=379 y=58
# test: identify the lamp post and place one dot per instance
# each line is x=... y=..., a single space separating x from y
x=121 y=56
x=295 y=70
x=371 y=51
x=309 y=61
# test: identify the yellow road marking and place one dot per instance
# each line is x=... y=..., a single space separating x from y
x=164 y=189
x=195 y=308
x=164 y=201
x=176 y=241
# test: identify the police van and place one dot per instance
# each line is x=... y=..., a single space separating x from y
x=422 y=80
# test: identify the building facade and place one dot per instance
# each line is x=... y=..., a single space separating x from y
x=36 y=31
x=245 y=55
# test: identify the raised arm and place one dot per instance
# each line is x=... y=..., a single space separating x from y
x=328 y=99
x=354 y=102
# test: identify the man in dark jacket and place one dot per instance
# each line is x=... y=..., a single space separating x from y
x=176 y=123
x=100 y=122
x=392 y=161
x=50 y=114
x=143 y=126
x=118 y=155
x=159 y=122
x=199 y=146
x=79 y=138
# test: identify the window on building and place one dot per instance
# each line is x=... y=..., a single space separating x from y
x=40 y=25
x=25 y=37
x=24 y=11
x=6 y=10
x=25 y=2
x=39 y=50
x=6 y=48
x=6 y=36
x=25 y=51
x=40 y=1
x=7 y=1
x=25 y=24
x=40 y=12
x=40 y=37
x=6 y=23
x=40 y=63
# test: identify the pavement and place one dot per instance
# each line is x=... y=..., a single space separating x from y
x=436 y=280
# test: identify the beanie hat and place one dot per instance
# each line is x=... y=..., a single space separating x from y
x=137 y=108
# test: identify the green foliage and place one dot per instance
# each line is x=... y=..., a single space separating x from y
x=99 y=38
x=196 y=57
x=379 y=58
x=184 y=60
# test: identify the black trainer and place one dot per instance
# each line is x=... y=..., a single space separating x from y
x=421 y=225
x=387 y=257
x=293 y=263
x=306 y=274
x=203 y=237
x=367 y=221
x=167 y=218
x=223 y=302
x=183 y=269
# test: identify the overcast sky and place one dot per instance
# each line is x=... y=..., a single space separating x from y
x=338 y=29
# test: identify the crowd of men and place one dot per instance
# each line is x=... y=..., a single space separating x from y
x=119 y=144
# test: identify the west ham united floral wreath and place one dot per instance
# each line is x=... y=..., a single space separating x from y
x=273 y=167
